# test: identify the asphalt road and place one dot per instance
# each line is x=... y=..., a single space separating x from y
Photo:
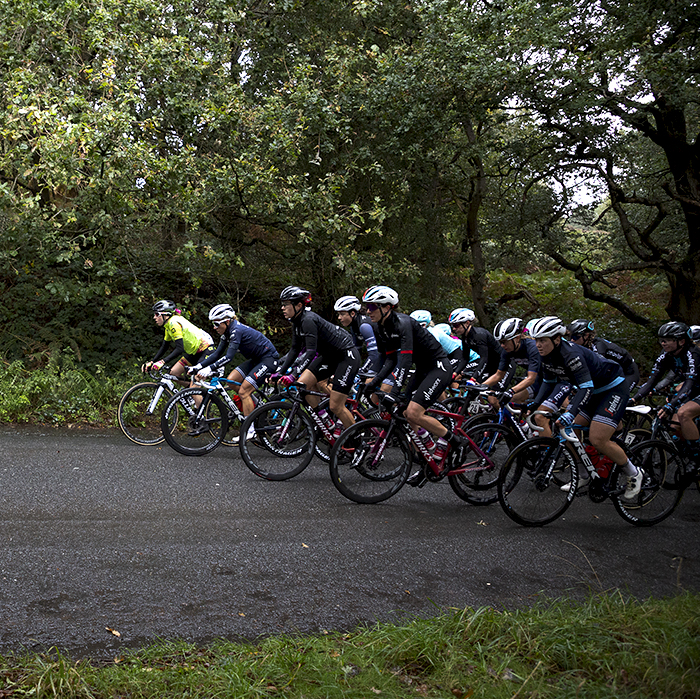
x=99 y=533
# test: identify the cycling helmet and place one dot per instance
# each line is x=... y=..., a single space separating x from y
x=379 y=294
x=348 y=303
x=695 y=333
x=461 y=315
x=508 y=329
x=296 y=295
x=579 y=326
x=547 y=327
x=674 y=329
x=444 y=327
x=222 y=312
x=164 y=306
x=528 y=327
x=422 y=316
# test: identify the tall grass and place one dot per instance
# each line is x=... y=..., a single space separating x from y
x=608 y=646
x=61 y=393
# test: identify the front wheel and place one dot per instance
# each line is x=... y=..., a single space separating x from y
x=140 y=410
x=530 y=481
x=370 y=461
x=277 y=440
x=199 y=422
x=660 y=493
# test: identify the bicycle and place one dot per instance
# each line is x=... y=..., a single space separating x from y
x=196 y=420
x=531 y=479
x=141 y=406
x=289 y=432
x=372 y=460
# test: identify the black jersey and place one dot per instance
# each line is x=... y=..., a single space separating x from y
x=685 y=366
x=612 y=351
x=401 y=342
x=526 y=356
x=587 y=371
x=252 y=344
x=317 y=337
x=483 y=343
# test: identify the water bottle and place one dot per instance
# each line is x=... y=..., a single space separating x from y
x=426 y=438
x=338 y=429
x=441 y=447
x=326 y=418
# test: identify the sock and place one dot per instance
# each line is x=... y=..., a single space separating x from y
x=629 y=469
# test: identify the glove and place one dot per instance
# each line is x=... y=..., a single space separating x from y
x=157 y=365
x=287 y=380
x=146 y=366
x=194 y=369
x=566 y=420
x=669 y=409
x=205 y=372
x=505 y=396
x=372 y=386
x=631 y=401
x=273 y=378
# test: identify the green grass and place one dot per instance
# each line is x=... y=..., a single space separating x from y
x=608 y=646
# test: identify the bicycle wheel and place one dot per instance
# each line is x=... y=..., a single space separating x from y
x=478 y=483
x=660 y=493
x=284 y=440
x=199 y=422
x=529 y=484
x=140 y=410
x=370 y=461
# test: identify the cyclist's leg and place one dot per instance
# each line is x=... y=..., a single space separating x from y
x=254 y=379
x=434 y=382
x=343 y=379
x=551 y=404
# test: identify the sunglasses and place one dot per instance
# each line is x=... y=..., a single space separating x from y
x=216 y=324
x=372 y=307
x=576 y=336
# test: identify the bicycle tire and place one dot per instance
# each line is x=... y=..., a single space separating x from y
x=478 y=485
x=185 y=437
x=284 y=440
x=660 y=494
x=529 y=488
x=363 y=473
x=136 y=422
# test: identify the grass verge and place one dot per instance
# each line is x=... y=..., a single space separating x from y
x=609 y=646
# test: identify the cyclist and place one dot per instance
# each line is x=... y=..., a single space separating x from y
x=451 y=345
x=599 y=398
x=695 y=334
x=582 y=332
x=403 y=342
x=361 y=329
x=259 y=352
x=477 y=339
x=192 y=344
x=516 y=350
x=679 y=354
x=328 y=351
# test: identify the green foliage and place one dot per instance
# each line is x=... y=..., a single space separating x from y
x=607 y=646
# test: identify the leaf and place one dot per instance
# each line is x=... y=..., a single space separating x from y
x=114 y=632
x=306 y=546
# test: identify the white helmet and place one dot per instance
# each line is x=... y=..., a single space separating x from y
x=422 y=316
x=379 y=294
x=461 y=315
x=508 y=329
x=221 y=312
x=547 y=327
x=695 y=333
x=348 y=303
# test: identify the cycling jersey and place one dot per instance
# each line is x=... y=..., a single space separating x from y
x=586 y=370
x=189 y=340
x=402 y=341
x=485 y=346
x=251 y=343
x=612 y=351
x=685 y=365
x=316 y=336
x=526 y=355
x=449 y=344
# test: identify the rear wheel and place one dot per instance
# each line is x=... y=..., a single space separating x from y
x=277 y=440
x=140 y=410
x=529 y=484
x=194 y=422
x=370 y=461
x=477 y=484
x=660 y=492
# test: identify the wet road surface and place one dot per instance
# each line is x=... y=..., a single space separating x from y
x=99 y=533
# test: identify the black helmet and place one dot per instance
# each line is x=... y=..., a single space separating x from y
x=579 y=326
x=674 y=329
x=164 y=306
x=295 y=295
